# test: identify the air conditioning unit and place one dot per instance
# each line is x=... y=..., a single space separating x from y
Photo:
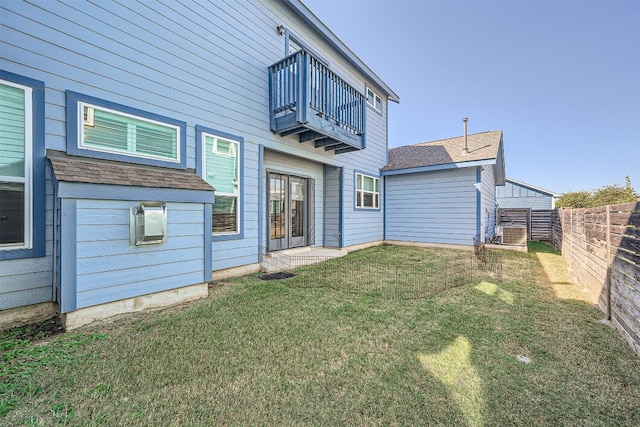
x=514 y=235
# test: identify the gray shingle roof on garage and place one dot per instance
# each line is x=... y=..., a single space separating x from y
x=481 y=146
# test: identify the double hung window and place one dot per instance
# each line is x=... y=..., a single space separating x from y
x=374 y=100
x=367 y=192
x=15 y=166
x=221 y=169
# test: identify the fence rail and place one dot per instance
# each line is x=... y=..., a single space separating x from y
x=601 y=247
x=537 y=221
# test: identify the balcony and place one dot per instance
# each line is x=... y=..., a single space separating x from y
x=309 y=100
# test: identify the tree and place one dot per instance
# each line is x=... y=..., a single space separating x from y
x=574 y=199
x=607 y=195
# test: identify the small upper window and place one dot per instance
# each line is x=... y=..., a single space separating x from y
x=374 y=100
x=223 y=147
x=106 y=130
x=367 y=192
x=113 y=131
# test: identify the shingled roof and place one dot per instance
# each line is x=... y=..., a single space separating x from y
x=95 y=171
x=481 y=146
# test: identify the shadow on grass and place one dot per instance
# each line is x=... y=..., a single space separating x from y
x=268 y=353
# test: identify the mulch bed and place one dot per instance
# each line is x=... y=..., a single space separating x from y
x=277 y=276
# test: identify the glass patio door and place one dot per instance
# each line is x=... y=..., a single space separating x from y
x=287 y=212
x=298 y=212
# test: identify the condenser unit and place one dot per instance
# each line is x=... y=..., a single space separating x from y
x=514 y=235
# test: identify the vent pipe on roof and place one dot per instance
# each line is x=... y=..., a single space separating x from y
x=465 y=150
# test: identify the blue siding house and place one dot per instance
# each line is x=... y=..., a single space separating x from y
x=148 y=147
x=518 y=194
x=443 y=191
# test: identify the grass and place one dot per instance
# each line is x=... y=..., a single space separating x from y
x=22 y=359
x=278 y=353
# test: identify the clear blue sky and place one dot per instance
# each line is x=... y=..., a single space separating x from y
x=560 y=78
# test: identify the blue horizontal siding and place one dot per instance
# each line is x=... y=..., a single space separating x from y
x=158 y=58
x=106 y=268
x=488 y=203
x=123 y=291
x=140 y=260
x=29 y=281
x=139 y=279
x=35 y=279
x=432 y=207
x=512 y=195
x=20 y=298
x=111 y=247
x=364 y=226
x=543 y=202
x=332 y=205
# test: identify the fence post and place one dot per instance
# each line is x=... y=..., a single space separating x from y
x=609 y=262
x=571 y=242
x=529 y=225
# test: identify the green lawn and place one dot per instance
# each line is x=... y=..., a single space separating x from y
x=283 y=353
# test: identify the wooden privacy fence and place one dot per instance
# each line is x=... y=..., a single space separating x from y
x=537 y=221
x=601 y=246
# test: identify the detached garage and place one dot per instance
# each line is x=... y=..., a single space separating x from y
x=443 y=191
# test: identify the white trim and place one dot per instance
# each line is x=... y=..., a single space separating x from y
x=27 y=180
x=377 y=100
x=130 y=144
x=362 y=191
x=90 y=119
x=442 y=166
x=524 y=184
x=233 y=147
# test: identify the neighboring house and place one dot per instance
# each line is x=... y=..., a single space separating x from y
x=120 y=118
x=438 y=192
x=517 y=194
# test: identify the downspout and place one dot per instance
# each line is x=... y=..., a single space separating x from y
x=478 y=201
x=262 y=199
x=341 y=207
x=384 y=208
x=56 y=243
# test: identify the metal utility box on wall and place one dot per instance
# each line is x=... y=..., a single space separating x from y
x=148 y=224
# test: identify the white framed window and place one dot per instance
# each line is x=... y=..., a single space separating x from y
x=111 y=131
x=221 y=169
x=367 y=192
x=374 y=100
x=16 y=166
x=223 y=147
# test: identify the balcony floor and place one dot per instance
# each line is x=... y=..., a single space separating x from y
x=320 y=131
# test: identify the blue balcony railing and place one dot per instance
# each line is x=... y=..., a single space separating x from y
x=308 y=99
